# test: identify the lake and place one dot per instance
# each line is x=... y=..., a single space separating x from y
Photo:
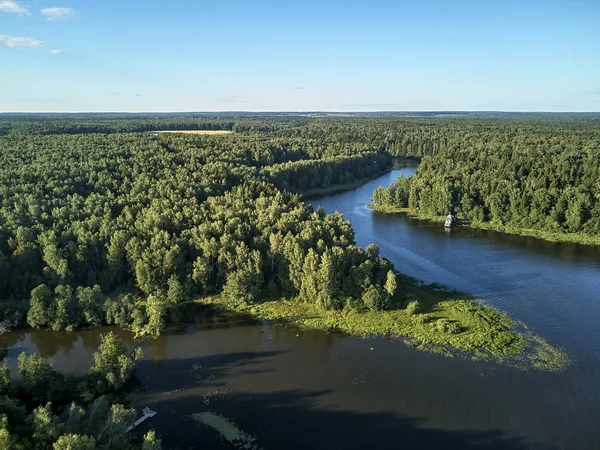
x=300 y=389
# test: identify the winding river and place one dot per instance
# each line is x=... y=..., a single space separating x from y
x=301 y=390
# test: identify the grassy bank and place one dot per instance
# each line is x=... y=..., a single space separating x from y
x=576 y=238
x=435 y=320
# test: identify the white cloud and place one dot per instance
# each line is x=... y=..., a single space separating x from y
x=11 y=41
x=57 y=52
x=55 y=14
x=10 y=6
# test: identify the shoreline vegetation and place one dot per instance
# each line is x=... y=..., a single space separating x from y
x=573 y=238
x=339 y=188
x=428 y=317
x=91 y=206
x=539 y=182
x=43 y=408
x=398 y=163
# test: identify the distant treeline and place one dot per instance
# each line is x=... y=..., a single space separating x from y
x=29 y=126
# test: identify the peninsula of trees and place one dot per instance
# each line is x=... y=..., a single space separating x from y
x=114 y=228
x=102 y=222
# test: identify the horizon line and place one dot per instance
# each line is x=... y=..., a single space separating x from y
x=305 y=112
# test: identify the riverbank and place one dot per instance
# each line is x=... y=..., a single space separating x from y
x=574 y=238
x=427 y=317
x=337 y=188
x=399 y=163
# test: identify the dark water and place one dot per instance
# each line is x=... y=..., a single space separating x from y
x=301 y=390
x=552 y=287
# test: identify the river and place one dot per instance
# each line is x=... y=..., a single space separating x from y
x=300 y=389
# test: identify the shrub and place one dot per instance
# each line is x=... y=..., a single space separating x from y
x=445 y=326
x=420 y=319
x=114 y=363
x=374 y=299
x=413 y=307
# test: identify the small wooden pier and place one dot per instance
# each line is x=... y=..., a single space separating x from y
x=147 y=414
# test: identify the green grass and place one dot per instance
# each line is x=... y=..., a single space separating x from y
x=450 y=323
x=552 y=236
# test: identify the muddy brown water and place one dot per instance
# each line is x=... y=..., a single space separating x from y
x=312 y=390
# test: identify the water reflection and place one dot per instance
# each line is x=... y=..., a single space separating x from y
x=258 y=375
x=48 y=346
x=158 y=352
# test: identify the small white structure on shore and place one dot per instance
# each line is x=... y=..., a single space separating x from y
x=449 y=221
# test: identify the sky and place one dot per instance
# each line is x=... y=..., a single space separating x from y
x=309 y=55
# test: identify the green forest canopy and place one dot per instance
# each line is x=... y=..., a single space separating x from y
x=544 y=177
x=101 y=222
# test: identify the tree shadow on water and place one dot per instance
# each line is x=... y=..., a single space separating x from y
x=295 y=419
x=202 y=371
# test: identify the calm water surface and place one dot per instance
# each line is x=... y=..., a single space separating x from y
x=300 y=390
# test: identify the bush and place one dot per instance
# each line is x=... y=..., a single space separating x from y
x=445 y=326
x=114 y=363
x=374 y=299
x=413 y=307
x=420 y=319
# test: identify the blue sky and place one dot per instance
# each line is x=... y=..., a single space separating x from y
x=181 y=55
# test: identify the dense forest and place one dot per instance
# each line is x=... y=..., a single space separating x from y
x=114 y=228
x=41 y=408
x=541 y=176
x=104 y=223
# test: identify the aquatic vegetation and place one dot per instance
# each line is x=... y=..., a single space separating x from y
x=227 y=429
x=450 y=323
x=445 y=326
x=547 y=357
